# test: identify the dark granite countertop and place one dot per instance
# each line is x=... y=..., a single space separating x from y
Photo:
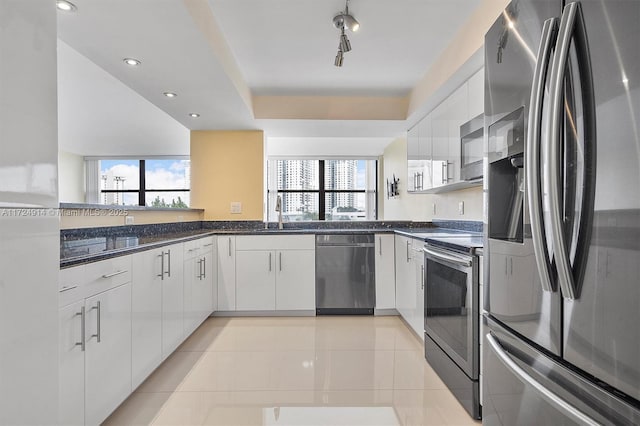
x=86 y=245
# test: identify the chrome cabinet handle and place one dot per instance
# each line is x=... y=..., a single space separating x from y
x=421 y=277
x=534 y=192
x=199 y=269
x=229 y=246
x=204 y=268
x=549 y=396
x=114 y=274
x=98 y=332
x=444 y=172
x=506 y=266
x=82 y=342
x=280 y=261
x=169 y=263
x=408 y=242
x=269 y=261
x=511 y=263
x=208 y=245
x=380 y=245
x=572 y=26
x=161 y=274
x=67 y=288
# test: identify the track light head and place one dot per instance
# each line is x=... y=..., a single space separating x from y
x=345 y=44
x=339 y=59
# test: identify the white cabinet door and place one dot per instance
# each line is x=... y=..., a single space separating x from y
x=385 y=272
x=255 y=280
x=210 y=249
x=417 y=315
x=108 y=352
x=192 y=276
x=146 y=314
x=209 y=281
x=476 y=94
x=457 y=115
x=226 y=273
x=172 y=299
x=71 y=364
x=295 y=279
x=404 y=276
x=440 y=146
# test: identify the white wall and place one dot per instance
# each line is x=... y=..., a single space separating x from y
x=71 y=181
x=419 y=207
x=326 y=147
x=100 y=116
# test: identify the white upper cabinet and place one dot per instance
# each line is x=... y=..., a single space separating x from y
x=28 y=107
x=476 y=94
x=433 y=144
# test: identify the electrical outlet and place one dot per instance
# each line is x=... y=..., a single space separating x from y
x=128 y=220
x=180 y=218
x=236 y=207
x=461 y=207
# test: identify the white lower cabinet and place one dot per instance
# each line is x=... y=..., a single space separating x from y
x=275 y=273
x=410 y=282
x=255 y=281
x=107 y=353
x=172 y=300
x=296 y=280
x=199 y=279
x=146 y=313
x=226 y=287
x=95 y=341
x=71 y=364
x=385 y=271
x=405 y=274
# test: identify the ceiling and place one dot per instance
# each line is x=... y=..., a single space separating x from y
x=223 y=56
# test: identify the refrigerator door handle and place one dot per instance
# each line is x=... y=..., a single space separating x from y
x=534 y=191
x=549 y=396
x=572 y=27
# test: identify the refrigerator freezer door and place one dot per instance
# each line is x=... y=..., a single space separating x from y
x=515 y=296
x=528 y=388
x=601 y=327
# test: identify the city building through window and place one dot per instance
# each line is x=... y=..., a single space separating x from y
x=152 y=182
x=336 y=189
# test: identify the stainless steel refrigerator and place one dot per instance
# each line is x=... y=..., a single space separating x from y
x=562 y=228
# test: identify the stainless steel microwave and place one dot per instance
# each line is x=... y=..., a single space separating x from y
x=471 y=148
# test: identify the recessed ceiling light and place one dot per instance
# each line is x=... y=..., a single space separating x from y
x=170 y=94
x=132 y=61
x=194 y=115
x=66 y=6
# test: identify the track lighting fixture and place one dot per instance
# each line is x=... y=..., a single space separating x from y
x=341 y=21
x=339 y=58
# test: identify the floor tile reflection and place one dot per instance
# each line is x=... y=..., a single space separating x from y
x=295 y=371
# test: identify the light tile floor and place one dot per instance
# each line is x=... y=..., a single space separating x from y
x=295 y=371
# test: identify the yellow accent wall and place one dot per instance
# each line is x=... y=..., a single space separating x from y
x=227 y=166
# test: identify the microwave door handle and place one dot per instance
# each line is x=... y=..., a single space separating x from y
x=549 y=396
x=549 y=32
x=572 y=26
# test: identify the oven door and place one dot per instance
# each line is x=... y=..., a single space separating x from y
x=451 y=305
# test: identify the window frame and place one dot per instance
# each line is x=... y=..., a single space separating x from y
x=142 y=189
x=322 y=191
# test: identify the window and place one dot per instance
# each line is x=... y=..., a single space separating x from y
x=340 y=189
x=162 y=182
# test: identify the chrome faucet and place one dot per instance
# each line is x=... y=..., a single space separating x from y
x=279 y=210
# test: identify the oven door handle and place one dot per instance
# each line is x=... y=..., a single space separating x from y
x=447 y=256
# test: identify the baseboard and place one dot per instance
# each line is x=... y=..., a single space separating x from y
x=292 y=313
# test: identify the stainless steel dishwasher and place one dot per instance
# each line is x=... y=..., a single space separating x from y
x=345 y=274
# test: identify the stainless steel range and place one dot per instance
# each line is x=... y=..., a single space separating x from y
x=451 y=315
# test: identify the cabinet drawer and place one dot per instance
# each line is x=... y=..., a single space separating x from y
x=101 y=276
x=70 y=285
x=191 y=248
x=275 y=242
